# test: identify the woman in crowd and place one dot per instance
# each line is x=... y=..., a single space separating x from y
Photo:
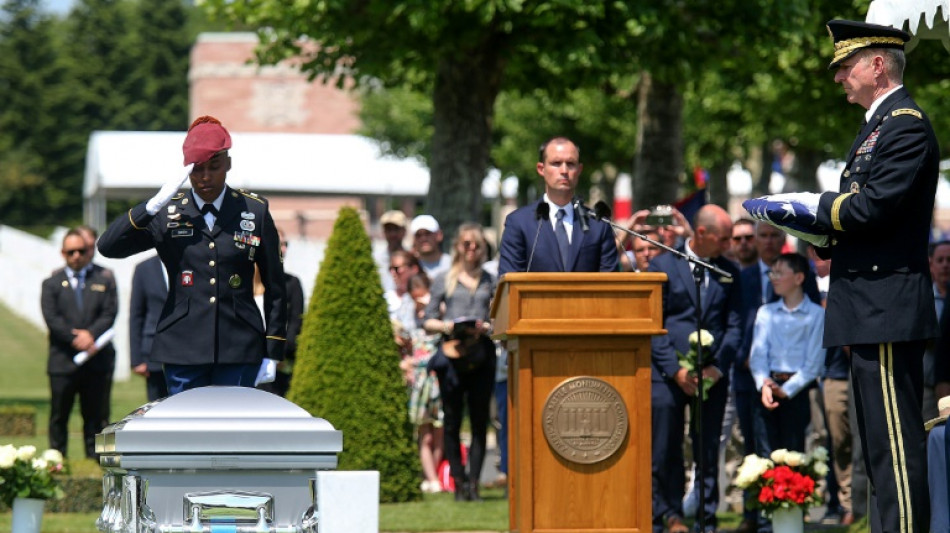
x=465 y=361
x=425 y=403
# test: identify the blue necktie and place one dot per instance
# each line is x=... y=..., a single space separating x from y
x=78 y=289
x=561 y=233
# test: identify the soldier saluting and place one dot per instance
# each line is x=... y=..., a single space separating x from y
x=211 y=330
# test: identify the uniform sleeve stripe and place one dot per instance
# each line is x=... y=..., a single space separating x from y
x=132 y=221
x=836 y=211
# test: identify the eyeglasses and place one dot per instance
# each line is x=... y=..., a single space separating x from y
x=739 y=238
x=80 y=251
x=775 y=274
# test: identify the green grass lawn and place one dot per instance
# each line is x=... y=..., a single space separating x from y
x=23 y=381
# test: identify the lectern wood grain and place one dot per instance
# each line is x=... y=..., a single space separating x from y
x=561 y=326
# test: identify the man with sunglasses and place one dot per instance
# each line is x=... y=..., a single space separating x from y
x=79 y=304
x=743 y=243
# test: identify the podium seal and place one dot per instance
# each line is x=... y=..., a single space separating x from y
x=585 y=420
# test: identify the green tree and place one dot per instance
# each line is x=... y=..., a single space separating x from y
x=462 y=53
x=32 y=89
x=347 y=364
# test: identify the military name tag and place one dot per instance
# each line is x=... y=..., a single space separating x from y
x=187 y=278
x=97 y=287
x=183 y=232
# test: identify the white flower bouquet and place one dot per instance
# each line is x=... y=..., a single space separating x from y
x=23 y=474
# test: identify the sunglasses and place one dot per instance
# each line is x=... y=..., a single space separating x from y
x=80 y=251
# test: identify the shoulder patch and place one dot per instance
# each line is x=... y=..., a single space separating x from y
x=251 y=195
x=907 y=111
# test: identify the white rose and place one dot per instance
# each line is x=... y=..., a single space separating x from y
x=821 y=469
x=705 y=337
x=25 y=453
x=820 y=454
x=751 y=470
x=779 y=456
x=39 y=464
x=53 y=457
x=794 y=458
x=7 y=456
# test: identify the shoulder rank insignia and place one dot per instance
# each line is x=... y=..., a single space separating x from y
x=251 y=195
x=906 y=111
x=178 y=196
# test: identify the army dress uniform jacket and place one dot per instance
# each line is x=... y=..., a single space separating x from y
x=879 y=223
x=62 y=315
x=210 y=315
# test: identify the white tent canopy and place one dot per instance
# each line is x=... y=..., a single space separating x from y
x=133 y=164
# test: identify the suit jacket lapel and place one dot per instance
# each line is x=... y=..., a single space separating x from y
x=547 y=241
x=685 y=272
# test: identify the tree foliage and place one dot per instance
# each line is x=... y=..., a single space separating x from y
x=346 y=369
x=108 y=64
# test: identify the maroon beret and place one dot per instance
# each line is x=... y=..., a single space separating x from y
x=206 y=137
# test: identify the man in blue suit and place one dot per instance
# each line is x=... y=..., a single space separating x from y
x=673 y=387
x=549 y=235
x=149 y=291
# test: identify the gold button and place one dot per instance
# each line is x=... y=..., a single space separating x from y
x=211 y=263
x=213 y=281
x=857 y=169
x=847 y=173
x=211 y=245
x=834 y=242
x=212 y=299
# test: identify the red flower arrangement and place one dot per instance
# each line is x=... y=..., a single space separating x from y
x=786 y=480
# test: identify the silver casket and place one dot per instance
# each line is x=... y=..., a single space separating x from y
x=215 y=459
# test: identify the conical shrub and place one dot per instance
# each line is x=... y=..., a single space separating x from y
x=347 y=367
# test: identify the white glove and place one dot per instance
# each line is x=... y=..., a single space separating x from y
x=267 y=373
x=167 y=191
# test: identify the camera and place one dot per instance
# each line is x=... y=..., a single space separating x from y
x=661 y=215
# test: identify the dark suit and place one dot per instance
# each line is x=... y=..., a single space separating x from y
x=149 y=291
x=721 y=306
x=210 y=317
x=591 y=251
x=880 y=300
x=92 y=381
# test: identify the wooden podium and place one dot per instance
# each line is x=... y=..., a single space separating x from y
x=579 y=398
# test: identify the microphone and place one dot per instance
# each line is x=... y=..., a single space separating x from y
x=601 y=211
x=542 y=213
x=582 y=213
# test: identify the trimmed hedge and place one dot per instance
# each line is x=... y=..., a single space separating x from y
x=18 y=421
x=347 y=367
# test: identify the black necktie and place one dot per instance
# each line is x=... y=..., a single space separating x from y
x=209 y=208
x=561 y=233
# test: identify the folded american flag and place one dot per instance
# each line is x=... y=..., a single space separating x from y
x=794 y=213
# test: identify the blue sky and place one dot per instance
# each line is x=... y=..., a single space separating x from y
x=58 y=6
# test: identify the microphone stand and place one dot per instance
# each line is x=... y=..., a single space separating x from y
x=699 y=276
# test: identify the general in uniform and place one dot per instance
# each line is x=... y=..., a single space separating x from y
x=210 y=239
x=880 y=299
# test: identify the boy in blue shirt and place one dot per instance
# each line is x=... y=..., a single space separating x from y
x=786 y=358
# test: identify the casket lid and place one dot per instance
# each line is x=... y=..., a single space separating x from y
x=220 y=420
